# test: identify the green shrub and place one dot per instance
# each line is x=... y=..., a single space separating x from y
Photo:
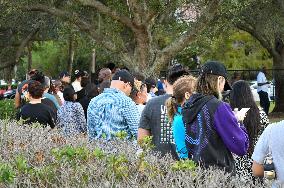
x=7 y=109
x=5 y=87
x=14 y=86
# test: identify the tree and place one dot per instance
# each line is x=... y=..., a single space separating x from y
x=144 y=34
x=18 y=29
x=264 y=20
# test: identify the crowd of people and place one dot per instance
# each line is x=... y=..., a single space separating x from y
x=185 y=115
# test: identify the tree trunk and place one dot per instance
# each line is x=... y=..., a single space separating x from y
x=71 y=52
x=278 y=63
x=8 y=72
x=29 y=56
x=93 y=67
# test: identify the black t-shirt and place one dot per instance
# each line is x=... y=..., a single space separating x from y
x=154 y=118
x=85 y=103
x=49 y=103
x=81 y=94
x=40 y=113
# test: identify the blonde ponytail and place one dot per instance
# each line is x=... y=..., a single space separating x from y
x=171 y=108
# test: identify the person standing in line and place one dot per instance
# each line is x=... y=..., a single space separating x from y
x=255 y=122
x=77 y=82
x=113 y=110
x=154 y=120
x=104 y=79
x=183 y=88
x=270 y=143
x=151 y=88
x=70 y=116
x=213 y=131
x=262 y=89
x=35 y=111
x=47 y=94
x=91 y=92
x=65 y=79
x=139 y=95
x=22 y=90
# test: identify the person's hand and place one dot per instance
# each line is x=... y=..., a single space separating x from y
x=240 y=115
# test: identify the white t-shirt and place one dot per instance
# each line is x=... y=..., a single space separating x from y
x=261 y=78
x=272 y=137
x=77 y=85
x=60 y=95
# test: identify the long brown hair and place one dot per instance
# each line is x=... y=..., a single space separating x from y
x=207 y=84
x=180 y=87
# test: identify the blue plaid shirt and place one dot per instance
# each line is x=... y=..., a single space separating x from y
x=111 y=112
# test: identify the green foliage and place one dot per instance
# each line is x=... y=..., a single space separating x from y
x=71 y=154
x=117 y=166
x=184 y=165
x=238 y=50
x=4 y=87
x=7 y=109
x=98 y=153
x=146 y=143
x=7 y=174
x=121 y=135
x=21 y=164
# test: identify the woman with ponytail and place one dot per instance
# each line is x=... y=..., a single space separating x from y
x=183 y=88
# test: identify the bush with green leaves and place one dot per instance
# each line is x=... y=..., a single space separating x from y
x=31 y=156
x=7 y=109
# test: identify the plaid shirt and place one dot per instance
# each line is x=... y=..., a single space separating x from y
x=112 y=112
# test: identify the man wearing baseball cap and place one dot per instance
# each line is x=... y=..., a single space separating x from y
x=113 y=111
x=212 y=131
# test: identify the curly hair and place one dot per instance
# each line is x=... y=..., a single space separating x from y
x=183 y=85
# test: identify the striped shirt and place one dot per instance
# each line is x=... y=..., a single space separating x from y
x=111 y=112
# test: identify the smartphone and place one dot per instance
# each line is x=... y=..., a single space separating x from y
x=244 y=110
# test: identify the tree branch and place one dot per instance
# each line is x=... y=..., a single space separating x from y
x=107 y=11
x=191 y=34
x=75 y=19
x=256 y=34
x=136 y=10
x=20 y=49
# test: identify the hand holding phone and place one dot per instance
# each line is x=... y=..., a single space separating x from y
x=240 y=115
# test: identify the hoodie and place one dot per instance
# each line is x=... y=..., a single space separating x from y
x=213 y=132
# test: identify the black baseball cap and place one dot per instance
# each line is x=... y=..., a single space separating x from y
x=125 y=76
x=216 y=68
x=63 y=74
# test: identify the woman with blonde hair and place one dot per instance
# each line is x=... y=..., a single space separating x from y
x=183 y=88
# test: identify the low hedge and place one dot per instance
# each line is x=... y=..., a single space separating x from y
x=36 y=157
x=7 y=109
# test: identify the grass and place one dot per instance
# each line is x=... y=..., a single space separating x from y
x=273 y=117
